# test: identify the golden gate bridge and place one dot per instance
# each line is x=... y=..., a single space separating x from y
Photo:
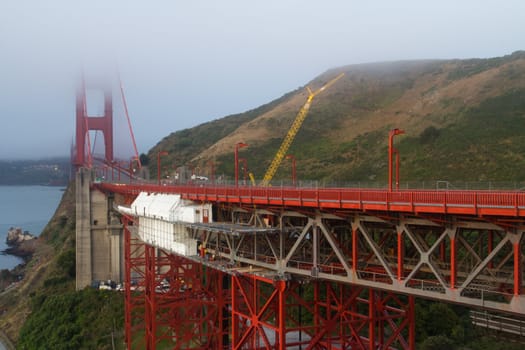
x=287 y=267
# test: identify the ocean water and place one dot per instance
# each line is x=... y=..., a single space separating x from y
x=27 y=207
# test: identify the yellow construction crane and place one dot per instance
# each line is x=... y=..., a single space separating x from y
x=296 y=125
x=252 y=178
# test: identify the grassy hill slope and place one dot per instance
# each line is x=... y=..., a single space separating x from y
x=462 y=120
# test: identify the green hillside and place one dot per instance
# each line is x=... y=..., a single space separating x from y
x=462 y=120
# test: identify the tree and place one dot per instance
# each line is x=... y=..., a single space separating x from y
x=144 y=160
x=438 y=342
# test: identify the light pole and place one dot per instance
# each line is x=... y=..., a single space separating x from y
x=391 y=151
x=294 y=175
x=236 y=160
x=160 y=153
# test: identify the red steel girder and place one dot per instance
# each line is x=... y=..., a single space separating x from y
x=172 y=300
x=330 y=316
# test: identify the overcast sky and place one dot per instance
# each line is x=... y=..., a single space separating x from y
x=186 y=62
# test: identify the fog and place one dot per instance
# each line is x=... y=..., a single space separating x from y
x=184 y=63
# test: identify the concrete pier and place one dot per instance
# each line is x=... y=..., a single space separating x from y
x=99 y=239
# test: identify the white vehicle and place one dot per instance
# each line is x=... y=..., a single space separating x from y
x=104 y=286
x=198 y=177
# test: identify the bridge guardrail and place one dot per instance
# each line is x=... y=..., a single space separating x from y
x=479 y=203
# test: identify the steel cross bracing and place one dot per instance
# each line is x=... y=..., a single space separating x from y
x=378 y=259
x=468 y=262
x=169 y=299
x=182 y=303
x=178 y=303
x=470 y=259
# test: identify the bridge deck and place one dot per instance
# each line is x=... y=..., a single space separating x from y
x=477 y=203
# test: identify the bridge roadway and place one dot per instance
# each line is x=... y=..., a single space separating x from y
x=507 y=204
x=456 y=246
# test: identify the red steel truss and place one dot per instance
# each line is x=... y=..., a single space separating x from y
x=181 y=303
x=171 y=301
x=316 y=274
x=278 y=314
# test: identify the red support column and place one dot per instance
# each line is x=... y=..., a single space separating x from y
x=490 y=247
x=316 y=315
x=281 y=322
x=391 y=151
x=354 y=249
x=412 y=323
x=371 y=320
x=380 y=315
x=222 y=321
x=517 y=268
x=150 y=310
x=443 y=251
x=453 y=261
x=400 y=256
x=127 y=283
x=234 y=318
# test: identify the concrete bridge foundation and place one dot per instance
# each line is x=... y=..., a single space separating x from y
x=99 y=239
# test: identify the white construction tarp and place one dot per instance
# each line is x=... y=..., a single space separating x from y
x=162 y=220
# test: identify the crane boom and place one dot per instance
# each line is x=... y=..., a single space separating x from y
x=296 y=125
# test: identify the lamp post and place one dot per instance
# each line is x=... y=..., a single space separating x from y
x=391 y=151
x=236 y=160
x=294 y=175
x=160 y=153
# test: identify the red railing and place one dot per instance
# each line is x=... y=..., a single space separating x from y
x=482 y=203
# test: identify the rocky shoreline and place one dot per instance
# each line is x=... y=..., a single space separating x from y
x=21 y=244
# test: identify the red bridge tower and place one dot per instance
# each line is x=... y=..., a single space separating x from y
x=85 y=123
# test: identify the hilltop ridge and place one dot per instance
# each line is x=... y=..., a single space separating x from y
x=460 y=118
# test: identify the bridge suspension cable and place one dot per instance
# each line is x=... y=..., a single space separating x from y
x=129 y=121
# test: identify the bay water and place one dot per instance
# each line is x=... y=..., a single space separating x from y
x=27 y=207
